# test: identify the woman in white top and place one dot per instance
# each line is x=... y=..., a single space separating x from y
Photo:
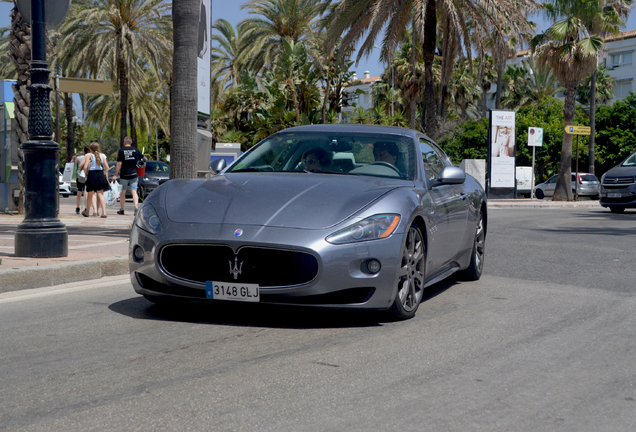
x=96 y=165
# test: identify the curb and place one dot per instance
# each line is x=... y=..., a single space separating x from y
x=45 y=276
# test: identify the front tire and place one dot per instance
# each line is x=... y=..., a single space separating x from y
x=539 y=194
x=476 y=266
x=410 y=283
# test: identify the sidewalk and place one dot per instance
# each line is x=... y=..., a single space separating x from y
x=99 y=247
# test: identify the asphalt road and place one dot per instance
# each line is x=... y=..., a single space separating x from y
x=545 y=341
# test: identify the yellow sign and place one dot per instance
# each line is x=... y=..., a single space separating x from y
x=82 y=85
x=578 y=130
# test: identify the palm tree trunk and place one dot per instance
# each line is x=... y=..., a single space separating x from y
x=592 y=121
x=429 y=123
x=183 y=104
x=326 y=98
x=133 y=129
x=123 y=92
x=70 y=131
x=499 y=85
x=563 y=190
x=20 y=47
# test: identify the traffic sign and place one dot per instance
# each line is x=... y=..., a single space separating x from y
x=578 y=130
x=535 y=137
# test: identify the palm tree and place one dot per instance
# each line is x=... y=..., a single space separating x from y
x=603 y=17
x=358 y=18
x=229 y=56
x=122 y=30
x=541 y=83
x=183 y=97
x=277 y=20
x=7 y=70
x=20 y=47
x=571 y=54
x=604 y=88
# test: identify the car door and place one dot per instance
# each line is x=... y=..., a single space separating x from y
x=448 y=210
x=550 y=186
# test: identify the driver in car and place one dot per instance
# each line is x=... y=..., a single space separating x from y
x=384 y=151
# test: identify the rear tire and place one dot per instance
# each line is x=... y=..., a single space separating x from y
x=617 y=210
x=410 y=283
x=539 y=194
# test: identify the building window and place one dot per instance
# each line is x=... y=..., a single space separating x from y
x=622 y=89
x=621 y=60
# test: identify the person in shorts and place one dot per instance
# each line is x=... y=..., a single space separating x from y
x=127 y=159
x=81 y=185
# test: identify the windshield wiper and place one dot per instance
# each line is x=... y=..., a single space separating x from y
x=247 y=170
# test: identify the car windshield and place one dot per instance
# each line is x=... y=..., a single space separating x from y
x=350 y=153
x=157 y=167
x=630 y=161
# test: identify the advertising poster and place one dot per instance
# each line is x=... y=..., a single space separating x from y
x=502 y=149
x=203 y=60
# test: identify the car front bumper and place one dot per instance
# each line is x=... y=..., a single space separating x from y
x=618 y=196
x=342 y=280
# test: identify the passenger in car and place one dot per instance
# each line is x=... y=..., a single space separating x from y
x=384 y=151
x=316 y=159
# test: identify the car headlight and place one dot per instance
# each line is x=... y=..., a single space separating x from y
x=371 y=228
x=147 y=219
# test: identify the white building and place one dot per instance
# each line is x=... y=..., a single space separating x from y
x=362 y=100
x=618 y=57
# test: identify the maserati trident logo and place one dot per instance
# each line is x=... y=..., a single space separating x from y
x=236 y=270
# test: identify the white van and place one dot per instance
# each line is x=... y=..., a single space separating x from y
x=524 y=181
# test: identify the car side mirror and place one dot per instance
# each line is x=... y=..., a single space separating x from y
x=217 y=165
x=451 y=175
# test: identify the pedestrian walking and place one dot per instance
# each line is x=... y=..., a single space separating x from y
x=96 y=165
x=127 y=159
x=81 y=183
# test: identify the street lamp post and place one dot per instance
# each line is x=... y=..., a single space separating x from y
x=41 y=234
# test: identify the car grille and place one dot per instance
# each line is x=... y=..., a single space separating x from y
x=263 y=266
x=617 y=182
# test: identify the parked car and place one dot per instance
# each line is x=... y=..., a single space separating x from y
x=64 y=187
x=587 y=184
x=157 y=173
x=618 y=186
x=312 y=215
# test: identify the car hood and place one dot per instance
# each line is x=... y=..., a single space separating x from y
x=292 y=200
x=620 y=171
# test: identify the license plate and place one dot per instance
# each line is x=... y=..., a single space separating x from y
x=613 y=195
x=232 y=291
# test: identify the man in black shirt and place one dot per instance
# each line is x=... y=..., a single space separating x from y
x=127 y=159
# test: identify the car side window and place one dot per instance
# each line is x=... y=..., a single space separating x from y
x=432 y=158
x=553 y=179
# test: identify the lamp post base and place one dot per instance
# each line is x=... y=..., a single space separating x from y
x=41 y=240
x=41 y=234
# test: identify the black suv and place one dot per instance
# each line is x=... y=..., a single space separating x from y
x=157 y=173
x=618 y=186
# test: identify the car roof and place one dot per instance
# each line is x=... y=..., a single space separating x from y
x=390 y=130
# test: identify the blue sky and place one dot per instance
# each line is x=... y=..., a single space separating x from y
x=232 y=12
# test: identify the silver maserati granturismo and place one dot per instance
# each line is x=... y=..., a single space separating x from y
x=339 y=216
